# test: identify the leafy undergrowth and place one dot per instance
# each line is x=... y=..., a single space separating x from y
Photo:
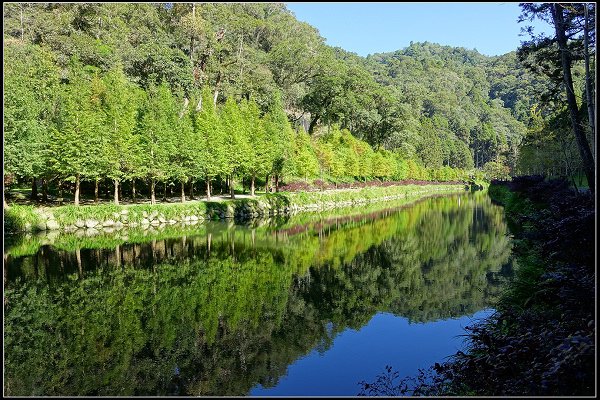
x=541 y=339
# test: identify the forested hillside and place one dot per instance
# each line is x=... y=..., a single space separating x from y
x=202 y=92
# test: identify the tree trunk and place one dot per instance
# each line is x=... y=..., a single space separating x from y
x=232 y=187
x=208 y=243
x=252 y=184
x=79 y=266
x=77 y=186
x=44 y=190
x=153 y=191
x=218 y=82
x=267 y=184
x=191 y=189
x=118 y=255
x=96 y=198
x=313 y=123
x=207 y=189
x=582 y=143
x=165 y=193
x=588 y=80
x=182 y=191
x=277 y=183
x=34 y=191
x=133 y=190
x=116 y=191
x=60 y=192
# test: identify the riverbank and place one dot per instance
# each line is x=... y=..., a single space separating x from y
x=110 y=216
x=541 y=339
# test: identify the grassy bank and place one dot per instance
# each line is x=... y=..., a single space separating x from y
x=541 y=339
x=70 y=218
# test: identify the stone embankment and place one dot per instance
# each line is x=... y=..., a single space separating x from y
x=108 y=218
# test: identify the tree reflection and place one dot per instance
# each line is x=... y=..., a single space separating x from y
x=218 y=312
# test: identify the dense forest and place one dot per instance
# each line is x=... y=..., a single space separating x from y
x=113 y=95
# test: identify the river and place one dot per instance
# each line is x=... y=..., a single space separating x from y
x=296 y=306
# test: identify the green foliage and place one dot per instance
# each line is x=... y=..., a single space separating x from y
x=209 y=138
x=189 y=92
x=496 y=170
x=69 y=214
x=369 y=194
x=120 y=102
x=77 y=142
x=157 y=132
x=280 y=134
x=19 y=218
x=237 y=141
x=305 y=161
x=31 y=80
x=262 y=150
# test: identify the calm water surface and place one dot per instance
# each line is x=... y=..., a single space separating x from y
x=307 y=305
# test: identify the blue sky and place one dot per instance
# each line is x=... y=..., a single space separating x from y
x=367 y=28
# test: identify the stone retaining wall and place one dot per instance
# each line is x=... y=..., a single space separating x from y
x=241 y=209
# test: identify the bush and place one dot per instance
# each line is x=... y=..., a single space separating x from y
x=19 y=218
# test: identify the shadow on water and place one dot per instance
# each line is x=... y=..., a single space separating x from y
x=220 y=308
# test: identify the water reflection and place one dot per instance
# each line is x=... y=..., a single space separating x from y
x=218 y=309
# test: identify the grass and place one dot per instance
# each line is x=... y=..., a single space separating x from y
x=69 y=214
x=23 y=245
x=368 y=193
x=20 y=218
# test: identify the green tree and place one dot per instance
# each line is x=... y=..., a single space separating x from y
x=31 y=83
x=239 y=152
x=158 y=118
x=183 y=159
x=305 y=161
x=120 y=102
x=210 y=148
x=260 y=159
x=76 y=145
x=280 y=134
x=556 y=54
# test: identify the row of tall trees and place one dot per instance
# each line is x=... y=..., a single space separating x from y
x=94 y=126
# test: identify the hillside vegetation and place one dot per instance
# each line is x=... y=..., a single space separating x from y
x=101 y=97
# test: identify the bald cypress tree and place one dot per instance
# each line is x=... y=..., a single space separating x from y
x=76 y=147
x=238 y=151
